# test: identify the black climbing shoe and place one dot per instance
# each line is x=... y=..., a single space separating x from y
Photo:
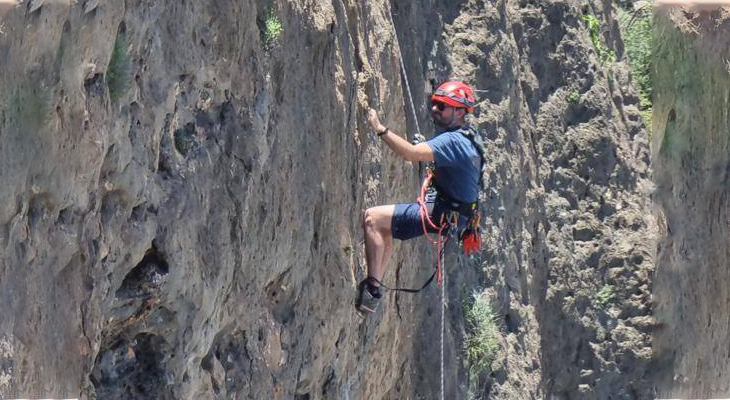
x=368 y=297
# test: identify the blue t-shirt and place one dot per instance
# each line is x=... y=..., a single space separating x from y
x=458 y=166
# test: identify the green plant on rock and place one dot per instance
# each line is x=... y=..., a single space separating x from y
x=482 y=339
x=594 y=29
x=605 y=295
x=636 y=30
x=272 y=28
x=573 y=98
x=119 y=71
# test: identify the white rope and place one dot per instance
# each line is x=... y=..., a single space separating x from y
x=443 y=325
x=405 y=76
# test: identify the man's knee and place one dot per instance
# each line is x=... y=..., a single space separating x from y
x=368 y=219
x=375 y=219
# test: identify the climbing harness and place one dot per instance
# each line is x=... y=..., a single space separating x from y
x=449 y=221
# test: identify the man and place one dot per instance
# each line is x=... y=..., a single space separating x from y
x=457 y=179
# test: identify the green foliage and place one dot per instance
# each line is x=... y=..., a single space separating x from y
x=594 y=29
x=348 y=250
x=482 y=340
x=636 y=29
x=573 y=98
x=604 y=296
x=272 y=29
x=119 y=71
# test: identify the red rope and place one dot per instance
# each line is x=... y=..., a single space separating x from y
x=439 y=242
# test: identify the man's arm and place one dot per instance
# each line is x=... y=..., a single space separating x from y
x=419 y=152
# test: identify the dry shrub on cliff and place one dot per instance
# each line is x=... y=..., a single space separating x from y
x=482 y=340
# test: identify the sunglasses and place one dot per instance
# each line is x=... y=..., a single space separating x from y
x=441 y=106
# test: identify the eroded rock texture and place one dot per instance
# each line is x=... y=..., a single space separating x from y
x=181 y=200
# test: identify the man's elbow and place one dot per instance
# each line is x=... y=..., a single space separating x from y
x=415 y=156
x=410 y=157
x=418 y=157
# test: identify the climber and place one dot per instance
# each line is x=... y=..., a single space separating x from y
x=457 y=179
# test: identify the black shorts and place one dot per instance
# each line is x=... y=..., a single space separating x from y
x=406 y=223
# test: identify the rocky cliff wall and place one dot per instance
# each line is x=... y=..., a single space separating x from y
x=568 y=212
x=690 y=157
x=181 y=199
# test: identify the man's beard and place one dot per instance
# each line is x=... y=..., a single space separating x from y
x=441 y=123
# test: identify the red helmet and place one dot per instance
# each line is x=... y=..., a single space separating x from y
x=455 y=94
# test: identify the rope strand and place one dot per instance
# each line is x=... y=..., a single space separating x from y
x=443 y=327
x=405 y=76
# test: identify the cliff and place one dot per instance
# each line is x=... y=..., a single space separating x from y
x=182 y=187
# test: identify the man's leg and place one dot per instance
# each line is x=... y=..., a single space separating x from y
x=380 y=225
x=378 y=239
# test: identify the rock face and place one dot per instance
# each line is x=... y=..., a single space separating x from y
x=689 y=148
x=182 y=186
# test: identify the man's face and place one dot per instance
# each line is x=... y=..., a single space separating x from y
x=444 y=116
